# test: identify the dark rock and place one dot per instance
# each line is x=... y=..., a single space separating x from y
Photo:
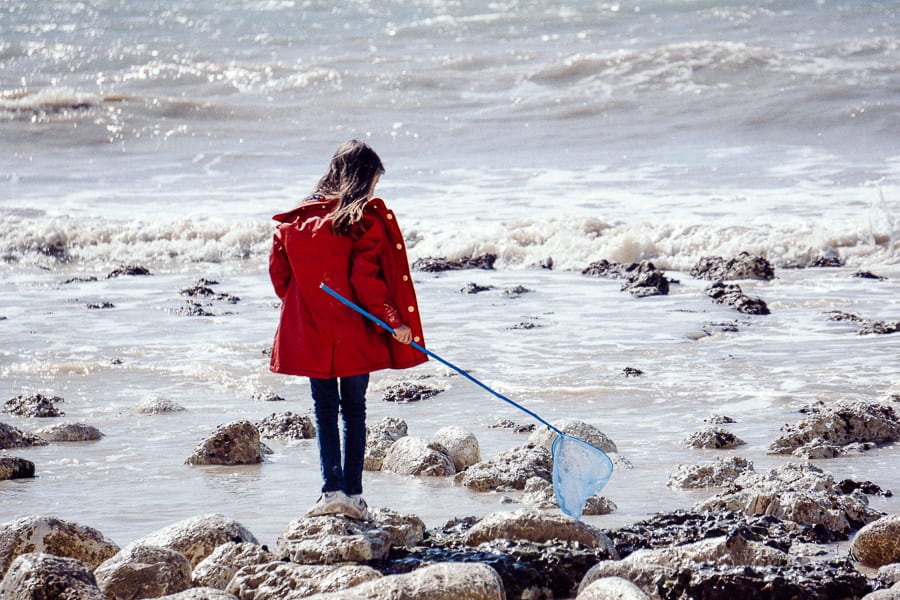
x=233 y=444
x=100 y=305
x=829 y=259
x=474 y=288
x=837 y=315
x=718 y=419
x=713 y=439
x=632 y=372
x=12 y=437
x=711 y=328
x=128 y=270
x=743 y=266
x=647 y=283
x=815 y=580
x=848 y=486
x=199 y=290
x=604 y=268
x=193 y=309
x=524 y=325
x=268 y=397
x=879 y=327
x=436 y=265
x=515 y=292
x=35 y=405
x=516 y=427
x=868 y=275
x=286 y=426
x=70 y=432
x=407 y=391
x=79 y=280
x=13 y=467
x=732 y=295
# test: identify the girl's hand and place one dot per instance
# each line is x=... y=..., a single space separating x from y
x=403 y=334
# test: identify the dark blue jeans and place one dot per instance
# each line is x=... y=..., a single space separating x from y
x=347 y=395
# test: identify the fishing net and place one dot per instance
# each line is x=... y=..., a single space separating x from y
x=579 y=472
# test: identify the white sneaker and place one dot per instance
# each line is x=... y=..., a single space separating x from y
x=357 y=508
x=330 y=503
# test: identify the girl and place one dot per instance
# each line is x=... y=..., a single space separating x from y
x=345 y=238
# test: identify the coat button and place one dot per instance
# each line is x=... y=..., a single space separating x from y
x=390 y=216
x=417 y=339
x=399 y=246
x=411 y=308
x=406 y=278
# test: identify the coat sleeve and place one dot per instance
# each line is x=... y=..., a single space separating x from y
x=279 y=266
x=367 y=276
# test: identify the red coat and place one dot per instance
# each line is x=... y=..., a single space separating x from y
x=317 y=335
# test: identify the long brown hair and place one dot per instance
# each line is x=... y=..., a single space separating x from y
x=349 y=178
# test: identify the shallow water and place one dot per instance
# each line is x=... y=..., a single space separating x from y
x=167 y=134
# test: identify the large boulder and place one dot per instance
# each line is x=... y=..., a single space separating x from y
x=645 y=567
x=878 y=543
x=442 y=581
x=798 y=492
x=13 y=467
x=41 y=576
x=281 y=580
x=334 y=538
x=509 y=470
x=417 y=456
x=140 y=571
x=69 y=432
x=53 y=536
x=232 y=444
x=537 y=526
x=837 y=427
x=461 y=446
x=33 y=405
x=720 y=473
x=217 y=569
x=197 y=537
x=742 y=266
x=585 y=432
x=380 y=436
x=13 y=437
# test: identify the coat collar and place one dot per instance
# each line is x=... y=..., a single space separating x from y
x=318 y=202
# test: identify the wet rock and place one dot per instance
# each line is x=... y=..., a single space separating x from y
x=34 y=405
x=53 y=536
x=442 y=581
x=99 y=305
x=279 y=580
x=838 y=315
x=798 y=492
x=193 y=309
x=417 y=456
x=379 y=439
x=286 y=426
x=713 y=439
x=878 y=543
x=435 y=265
x=879 y=327
x=830 y=258
x=536 y=526
x=141 y=571
x=509 y=470
x=41 y=576
x=611 y=588
x=13 y=437
x=474 y=288
x=611 y=270
x=80 y=279
x=742 y=266
x=133 y=270
x=718 y=474
x=198 y=536
x=731 y=295
x=516 y=427
x=868 y=275
x=586 y=432
x=408 y=391
x=217 y=569
x=718 y=420
x=157 y=406
x=268 y=397
x=232 y=444
x=13 y=467
x=839 y=426
x=524 y=325
x=69 y=432
x=647 y=283
x=335 y=539
x=539 y=493
x=201 y=289
x=461 y=446
x=848 y=486
x=632 y=372
x=516 y=291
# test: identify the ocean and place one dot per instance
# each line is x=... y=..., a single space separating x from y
x=165 y=134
